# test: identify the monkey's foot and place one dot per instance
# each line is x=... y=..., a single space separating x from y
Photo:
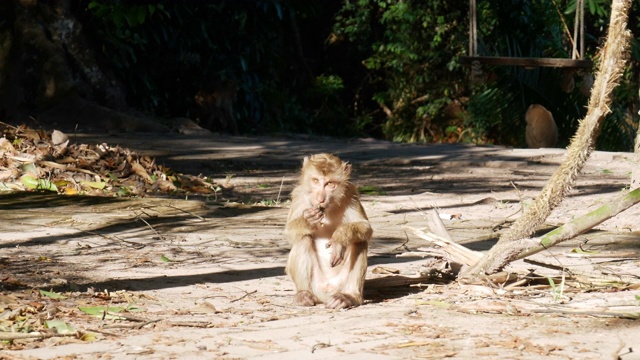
x=341 y=301
x=305 y=298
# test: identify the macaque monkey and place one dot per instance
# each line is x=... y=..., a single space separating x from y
x=542 y=130
x=329 y=234
x=216 y=107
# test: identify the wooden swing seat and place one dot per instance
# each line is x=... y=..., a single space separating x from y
x=527 y=62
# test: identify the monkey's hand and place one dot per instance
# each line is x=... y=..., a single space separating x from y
x=337 y=252
x=313 y=216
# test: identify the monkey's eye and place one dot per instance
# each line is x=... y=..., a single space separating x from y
x=315 y=180
x=331 y=185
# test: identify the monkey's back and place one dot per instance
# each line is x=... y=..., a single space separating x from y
x=541 y=131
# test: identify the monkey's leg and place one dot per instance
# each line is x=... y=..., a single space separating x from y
x=354 y=271
x=300 y=265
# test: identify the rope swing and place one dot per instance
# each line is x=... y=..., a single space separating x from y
x=576 y=61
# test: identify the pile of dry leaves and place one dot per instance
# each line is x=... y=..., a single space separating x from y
x=34 y=160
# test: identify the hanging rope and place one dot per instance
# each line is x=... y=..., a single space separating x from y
x=473 y=29
x=576 y=25
x=582 y=27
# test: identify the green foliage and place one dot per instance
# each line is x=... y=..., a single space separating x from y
x=322 y=98
x=119 y=14
x=411 y=57
x=491 y=115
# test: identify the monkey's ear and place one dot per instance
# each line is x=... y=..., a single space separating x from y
x=305 y=161
x=346 y=168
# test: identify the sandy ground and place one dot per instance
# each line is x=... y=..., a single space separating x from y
x=203 y=277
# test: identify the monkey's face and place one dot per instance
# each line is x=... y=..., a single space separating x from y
x=322 y=191
x=325 y=178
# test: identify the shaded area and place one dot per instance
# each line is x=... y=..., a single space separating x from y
x=393 y=169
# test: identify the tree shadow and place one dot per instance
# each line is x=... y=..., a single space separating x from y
x=21 y=207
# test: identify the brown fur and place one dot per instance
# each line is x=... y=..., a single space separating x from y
x=329 y=233
x=542 y=131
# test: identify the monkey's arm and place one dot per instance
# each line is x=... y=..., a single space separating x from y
x=355 y=226
x=354 y=229
x=302 y=221
x=353 y=232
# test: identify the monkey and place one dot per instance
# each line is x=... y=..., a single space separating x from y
x=542 y=130
x=216 y=107
x=329 y=233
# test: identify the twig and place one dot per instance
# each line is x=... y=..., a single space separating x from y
x=129 y=317
x=104 y=332
x=633 y=316
x=143 y=322
x=135 y=245
x=319 y=345
x=457 y=252
x=403 y=246
x=34 y=335
x=280 y=191
x=187 y=212
x=149 y=225
x=195 y=324
x=8 y=125
x=244 y=296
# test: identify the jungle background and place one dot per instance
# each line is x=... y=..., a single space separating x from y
x=376 y=68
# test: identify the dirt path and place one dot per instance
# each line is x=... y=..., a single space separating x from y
x=204 y=277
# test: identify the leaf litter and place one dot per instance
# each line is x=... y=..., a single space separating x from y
x=34 y=160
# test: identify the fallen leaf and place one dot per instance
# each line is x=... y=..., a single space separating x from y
x=38 y=184
x=52 y=295
x=100 y=185
x=60 y=326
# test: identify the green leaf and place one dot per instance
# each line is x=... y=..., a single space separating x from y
x=88 y=337
x=60 y=326
x=551 y=282
x=94 y=184
x=580 y=251
x=99 y=311
x=52 y=295
x=38 y=184
x=29 y=181
x=166 y=259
